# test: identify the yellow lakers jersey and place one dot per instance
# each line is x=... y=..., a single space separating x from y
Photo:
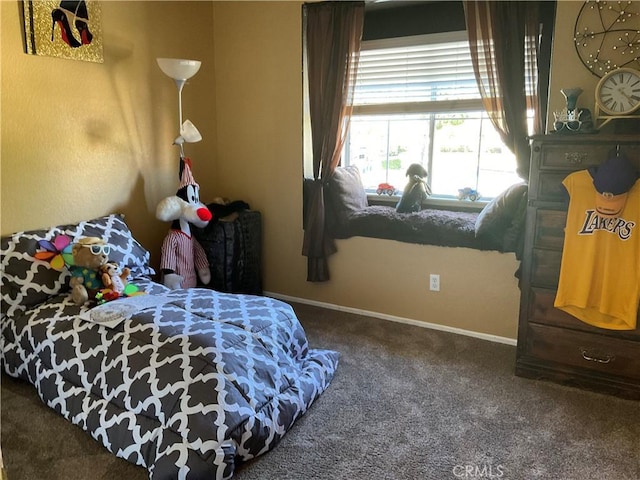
x=600 y=270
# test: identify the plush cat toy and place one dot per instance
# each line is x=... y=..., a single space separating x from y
x=183 y=259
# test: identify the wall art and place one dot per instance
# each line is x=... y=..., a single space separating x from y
x=607 y=35
x=67 y=29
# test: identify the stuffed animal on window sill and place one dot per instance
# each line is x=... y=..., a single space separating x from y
x=416 y=190
x=183 y=260
x=87 y=255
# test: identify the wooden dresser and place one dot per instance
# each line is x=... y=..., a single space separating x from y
x=552 y=344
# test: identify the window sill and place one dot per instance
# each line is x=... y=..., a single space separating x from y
x=431 y=203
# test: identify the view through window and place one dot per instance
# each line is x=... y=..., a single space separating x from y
x=416 y=101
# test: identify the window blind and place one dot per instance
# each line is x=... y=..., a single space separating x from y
x=419 y=69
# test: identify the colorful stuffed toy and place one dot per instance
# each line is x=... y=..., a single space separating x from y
x=116 y=284
x=93 y=277
x=57 y=253
x=88 y=255
x=114 y=277
x=183 y=259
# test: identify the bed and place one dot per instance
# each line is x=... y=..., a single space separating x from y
x=188 y=387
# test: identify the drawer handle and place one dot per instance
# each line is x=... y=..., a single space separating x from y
x=594 y=358
x=575 y=158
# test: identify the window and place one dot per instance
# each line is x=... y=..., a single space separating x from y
x=416 y=101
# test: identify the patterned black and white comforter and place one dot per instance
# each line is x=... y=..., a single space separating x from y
x=186 y=389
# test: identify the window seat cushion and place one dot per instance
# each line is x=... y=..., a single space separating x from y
x=349 y=215
x=427 y=227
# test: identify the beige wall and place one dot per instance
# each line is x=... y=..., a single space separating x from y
x=83 y=139
x=258 y=79
x=65 y=122
x=567 y=70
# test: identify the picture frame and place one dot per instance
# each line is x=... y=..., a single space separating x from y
x=64 y=29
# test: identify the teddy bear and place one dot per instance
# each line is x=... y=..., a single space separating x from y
x=114 y=277
x=88 y=255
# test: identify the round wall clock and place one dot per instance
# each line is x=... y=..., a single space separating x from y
x=618 y=91
x=607 y=35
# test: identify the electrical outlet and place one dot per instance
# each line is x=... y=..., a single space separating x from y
x=434 y=282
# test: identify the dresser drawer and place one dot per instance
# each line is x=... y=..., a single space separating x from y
x=545 y=268
x=548 y=187
x=556 y=161
x=549 y=229
x=575 y=156
x=541 y=310
x=608 y=355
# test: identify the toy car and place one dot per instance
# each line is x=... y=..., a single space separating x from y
x=386 y=188
x=469 y=193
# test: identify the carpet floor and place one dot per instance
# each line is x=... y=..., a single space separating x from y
x=406 y=403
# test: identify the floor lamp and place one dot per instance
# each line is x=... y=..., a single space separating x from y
x=182 y=70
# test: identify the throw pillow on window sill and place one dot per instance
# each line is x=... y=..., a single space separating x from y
x=503 y=216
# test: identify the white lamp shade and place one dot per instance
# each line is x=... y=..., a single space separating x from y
x=188 y=134
x=179 y=68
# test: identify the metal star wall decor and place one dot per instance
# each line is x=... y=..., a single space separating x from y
x=607 y=35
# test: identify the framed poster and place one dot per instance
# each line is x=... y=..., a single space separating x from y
x=67 y=29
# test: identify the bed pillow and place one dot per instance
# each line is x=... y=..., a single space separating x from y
x=26 y=282
x=501 y=214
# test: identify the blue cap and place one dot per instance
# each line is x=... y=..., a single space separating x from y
x=612 y=180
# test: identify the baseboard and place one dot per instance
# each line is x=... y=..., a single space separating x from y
x=393 y=318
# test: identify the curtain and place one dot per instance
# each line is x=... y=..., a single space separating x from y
x=511 y=82
x=332 y=36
